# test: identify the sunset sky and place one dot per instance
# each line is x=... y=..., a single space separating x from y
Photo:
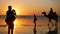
x=29 y=7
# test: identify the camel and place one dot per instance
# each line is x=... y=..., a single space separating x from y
x=53 y=16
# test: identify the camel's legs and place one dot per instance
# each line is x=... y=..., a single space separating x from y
x=50 y=22
x=56 y=23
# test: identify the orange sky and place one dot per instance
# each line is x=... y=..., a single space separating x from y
x=29 y=7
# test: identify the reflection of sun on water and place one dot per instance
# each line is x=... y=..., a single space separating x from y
x=17 y=23
x=14 y=24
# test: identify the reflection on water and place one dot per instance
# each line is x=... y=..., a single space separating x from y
x=25 y=26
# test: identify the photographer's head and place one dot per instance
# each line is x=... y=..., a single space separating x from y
x=9 y=7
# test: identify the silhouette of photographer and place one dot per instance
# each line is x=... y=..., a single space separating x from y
x=10 y=17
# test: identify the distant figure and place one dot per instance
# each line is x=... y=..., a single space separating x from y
x=34 y=30
x=10 y=17
x=51 y=15
x=35 y=19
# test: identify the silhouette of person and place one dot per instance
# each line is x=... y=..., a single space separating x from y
x=34 y=30
x=51 y=15
x=14 y=14
x=56 y=23
x=10 y=19
x=35 y=19
x=51 y=11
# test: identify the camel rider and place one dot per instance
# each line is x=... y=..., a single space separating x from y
x=51 y=12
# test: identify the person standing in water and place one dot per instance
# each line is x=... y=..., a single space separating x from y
x=35 y=19
x=10 y=19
